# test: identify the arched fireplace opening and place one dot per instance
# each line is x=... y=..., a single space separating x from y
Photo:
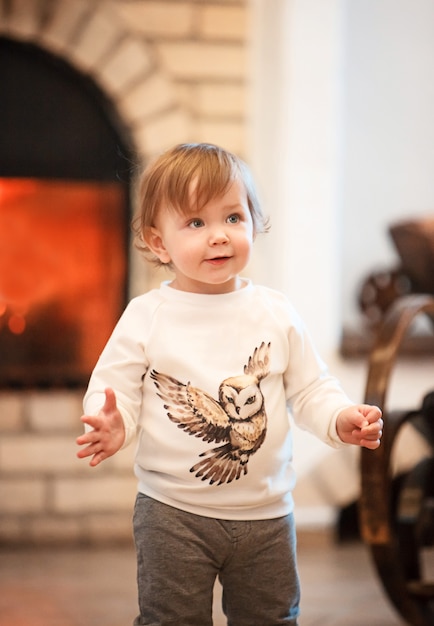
x=66 y=165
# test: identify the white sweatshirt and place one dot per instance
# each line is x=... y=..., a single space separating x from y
x=207 y=382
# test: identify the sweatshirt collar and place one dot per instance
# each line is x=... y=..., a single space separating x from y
x=201 y=298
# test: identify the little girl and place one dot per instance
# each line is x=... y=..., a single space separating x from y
x=205 y=371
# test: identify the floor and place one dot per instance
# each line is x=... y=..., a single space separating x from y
x=61 y=587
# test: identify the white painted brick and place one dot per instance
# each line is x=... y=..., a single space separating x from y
x=196 y=60
x=110 y=527
x=36 y=454
x=223 y=22
x=229 y=135
x=25 y=495
x=155 y=93
x=12 y=530
x=168 y=129
x=186 y=94
x=11 y=412
x=168 y=19
x=46 y=529
x=65 y=17
x=96 y=39
x=221 y=99
x=55 y=411
x=96 y=493
x=130 y=60
x=25 y=18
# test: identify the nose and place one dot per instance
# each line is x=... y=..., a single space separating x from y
x=218 y=236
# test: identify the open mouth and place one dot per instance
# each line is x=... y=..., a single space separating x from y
x=219 y=260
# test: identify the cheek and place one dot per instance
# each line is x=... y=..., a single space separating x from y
x=186 y=249
x=245 y=243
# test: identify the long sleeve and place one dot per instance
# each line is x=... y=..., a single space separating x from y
x=314 y=396
x=122 y=366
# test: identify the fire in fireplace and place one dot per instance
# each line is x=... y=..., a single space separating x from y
x=61 y=263
x=65 y=171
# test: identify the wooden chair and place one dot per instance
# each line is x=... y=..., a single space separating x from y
x=397 y=513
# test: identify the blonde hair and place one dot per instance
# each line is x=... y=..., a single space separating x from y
x=167 y=183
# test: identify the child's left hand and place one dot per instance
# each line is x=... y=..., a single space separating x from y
x=360 y=425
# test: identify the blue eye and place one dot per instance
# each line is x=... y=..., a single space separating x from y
x=196 y=223
x=233 y=219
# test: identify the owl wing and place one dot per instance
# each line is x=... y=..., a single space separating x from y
x=258 y=363
x=191 y=409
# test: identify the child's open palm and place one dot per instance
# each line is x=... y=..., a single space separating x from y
x=107 y=434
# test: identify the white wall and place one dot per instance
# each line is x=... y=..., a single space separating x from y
x=388 y=130
x=342 y=143
x=342 y=135
x=295 y=148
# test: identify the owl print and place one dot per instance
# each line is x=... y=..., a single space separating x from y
x=237 y=420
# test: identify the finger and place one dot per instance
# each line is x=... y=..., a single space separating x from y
x=371 y=445
x=89 y=437
x=370 y=441
x=84 y=452
x=110 y=401
x=359 y=421
x=94 y=421
x=89 y=450
x=373 y=429
x=97 y=458
x=374 y=414
x=373 y=437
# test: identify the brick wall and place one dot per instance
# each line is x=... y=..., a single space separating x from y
x=202 y=48
x=46 y=494
x=177 y=72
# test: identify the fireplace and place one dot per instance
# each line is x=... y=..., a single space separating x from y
x=65 y=175
x=124 y=92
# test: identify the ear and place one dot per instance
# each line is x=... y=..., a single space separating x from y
x=154 y=241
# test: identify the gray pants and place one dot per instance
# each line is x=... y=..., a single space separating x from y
x=179 y=556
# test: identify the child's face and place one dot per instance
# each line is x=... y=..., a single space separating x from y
x=207 y=248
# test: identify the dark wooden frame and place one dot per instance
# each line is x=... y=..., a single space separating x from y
x=388 y=521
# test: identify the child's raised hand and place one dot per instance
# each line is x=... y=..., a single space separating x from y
x=107 y=434
x=360 y=425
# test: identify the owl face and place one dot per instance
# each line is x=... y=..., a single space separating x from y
x=241 y=397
